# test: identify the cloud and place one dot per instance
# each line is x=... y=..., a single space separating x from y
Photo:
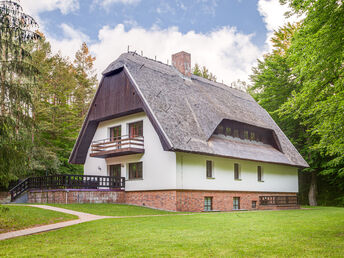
x=70 y=43
x=106 y=3
x=226 y=52
x=273 y=14
x=38 y=6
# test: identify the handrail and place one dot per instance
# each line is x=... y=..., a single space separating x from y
x=67 y=181
x=117 y=143
x=278 y=200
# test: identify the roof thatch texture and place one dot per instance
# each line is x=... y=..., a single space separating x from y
x=189 y=110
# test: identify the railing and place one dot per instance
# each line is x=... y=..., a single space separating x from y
x=278 y=200
x=116 y=144
x=67 y=181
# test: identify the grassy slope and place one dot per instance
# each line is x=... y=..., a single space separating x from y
x=313 y=232
x=19 y=217
x=111 y=209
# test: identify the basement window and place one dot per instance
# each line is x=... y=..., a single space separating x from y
x=254 y=204
x=208 y=203
x=236 y=203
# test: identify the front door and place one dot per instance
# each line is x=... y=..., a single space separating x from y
x=115 y=171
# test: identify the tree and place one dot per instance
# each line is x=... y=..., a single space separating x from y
x=17 y=78
x=203 y=72
x=317 y=56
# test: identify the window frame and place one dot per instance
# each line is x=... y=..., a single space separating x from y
x=237 y=173
x=255 y=204
x=212 y=169
x=206 y=205
x=236 y=203
x=137 y=172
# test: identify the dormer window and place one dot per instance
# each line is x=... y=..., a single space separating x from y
x=247 y=132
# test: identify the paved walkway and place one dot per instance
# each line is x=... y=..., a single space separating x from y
x=83 y=217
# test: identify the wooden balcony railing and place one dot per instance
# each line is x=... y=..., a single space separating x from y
x=123 y=145
x=278 y=200
x=68 y=182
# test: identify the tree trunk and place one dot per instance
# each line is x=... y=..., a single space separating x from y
x=312 y=194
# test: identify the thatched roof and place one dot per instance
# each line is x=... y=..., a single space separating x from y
x=189 y=110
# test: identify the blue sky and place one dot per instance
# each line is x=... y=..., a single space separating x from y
x=226 y=36
x=200 y=16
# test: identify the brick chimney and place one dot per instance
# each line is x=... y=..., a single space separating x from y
x=182 y=62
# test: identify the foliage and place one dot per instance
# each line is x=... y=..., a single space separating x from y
x=293 y=233
x=300 y=83
x=17 y=74
x=203 y=72
x=44 y=99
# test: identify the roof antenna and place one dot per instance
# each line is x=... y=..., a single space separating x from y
x=128 y=48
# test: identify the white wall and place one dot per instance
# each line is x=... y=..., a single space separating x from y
x=191 y=174
x=159 y=166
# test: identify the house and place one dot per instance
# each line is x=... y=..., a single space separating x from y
x=185 y=143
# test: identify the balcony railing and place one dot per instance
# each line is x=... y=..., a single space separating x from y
x=278 y=200
x=68 y=182
x=119 y=146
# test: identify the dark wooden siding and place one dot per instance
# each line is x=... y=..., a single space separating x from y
x=115 y=97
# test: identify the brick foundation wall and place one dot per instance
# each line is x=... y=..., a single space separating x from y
x=223 y=200
x=172 y=200
x=165 y=200
x=76 y=196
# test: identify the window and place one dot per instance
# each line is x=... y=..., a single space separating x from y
x=260 y=173
x=236 y=203
x=115 y=170
x=135 y=170
x=246 y=134
x=209 y=164
x=115 y=133
x=254 y=204
x=228 y=131
x=208 y=203
x=253 y=136
x=136 y=129
x=236 y=133
x=236 y=171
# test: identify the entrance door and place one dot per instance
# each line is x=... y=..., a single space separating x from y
x=115 y=171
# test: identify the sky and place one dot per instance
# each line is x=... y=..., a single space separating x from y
x=226 y=36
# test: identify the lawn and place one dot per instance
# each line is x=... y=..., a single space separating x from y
x=312 y=232
x=19 y=217
x=106 y=209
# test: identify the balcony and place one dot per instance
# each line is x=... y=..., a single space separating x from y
x=112 y=147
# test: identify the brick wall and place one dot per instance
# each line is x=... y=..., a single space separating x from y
x=172 y=200
x=165 y=200
x=222 y=200
x=76 y=196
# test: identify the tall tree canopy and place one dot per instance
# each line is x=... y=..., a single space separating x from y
x=17 y=74
x=301 y=84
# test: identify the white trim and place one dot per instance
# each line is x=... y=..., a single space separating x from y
x=150 y=109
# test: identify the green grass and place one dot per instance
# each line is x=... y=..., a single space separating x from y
x=20 y=217
x=106 y=209
x=302 y=233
